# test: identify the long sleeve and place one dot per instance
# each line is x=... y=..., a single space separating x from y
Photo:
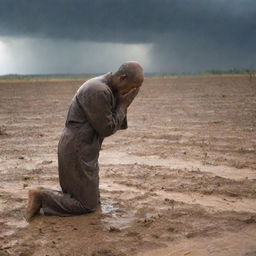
x=124 y=124
x=98 y=108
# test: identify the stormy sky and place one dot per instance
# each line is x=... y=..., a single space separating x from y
x=165 y=36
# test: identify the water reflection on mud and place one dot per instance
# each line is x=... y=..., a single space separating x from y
x=10 y=226
x=113 y=216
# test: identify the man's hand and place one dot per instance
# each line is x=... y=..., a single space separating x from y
x=126 y=98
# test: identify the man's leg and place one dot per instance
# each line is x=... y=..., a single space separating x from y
x=53 y=202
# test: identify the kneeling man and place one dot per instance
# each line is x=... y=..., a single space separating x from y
x=97 y=110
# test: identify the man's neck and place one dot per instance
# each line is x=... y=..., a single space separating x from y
x=111 y=84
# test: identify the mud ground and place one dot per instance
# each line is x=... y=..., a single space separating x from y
x=180 y=181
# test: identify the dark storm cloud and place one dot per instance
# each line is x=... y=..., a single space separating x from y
x=187 y=35
x=128 y=20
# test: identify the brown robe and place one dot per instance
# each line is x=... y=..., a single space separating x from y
x=92 y=116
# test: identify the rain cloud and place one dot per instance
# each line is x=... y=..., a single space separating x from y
x=166 y=36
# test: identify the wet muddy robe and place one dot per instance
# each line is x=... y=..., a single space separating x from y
x=92 y=116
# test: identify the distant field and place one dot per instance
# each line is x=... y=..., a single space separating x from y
x=181 y=180
x=81 y=76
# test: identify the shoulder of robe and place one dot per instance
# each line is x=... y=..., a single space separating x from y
x=94 y=87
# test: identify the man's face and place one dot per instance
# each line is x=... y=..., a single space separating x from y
x=125 y=85
x=128 y=87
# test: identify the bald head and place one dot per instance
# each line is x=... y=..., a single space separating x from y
x=132 y=70
x=130 y=75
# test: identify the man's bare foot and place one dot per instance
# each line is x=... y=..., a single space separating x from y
x=34 y=203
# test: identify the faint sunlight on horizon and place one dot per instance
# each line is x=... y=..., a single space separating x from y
x=21 y=55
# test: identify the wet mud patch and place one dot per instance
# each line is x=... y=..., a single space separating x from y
x=153 y=178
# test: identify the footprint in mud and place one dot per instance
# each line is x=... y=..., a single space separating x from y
x=114 y=229
x=47 y=162
x=133 y=233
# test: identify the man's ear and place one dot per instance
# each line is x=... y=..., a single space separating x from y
x=123 y=77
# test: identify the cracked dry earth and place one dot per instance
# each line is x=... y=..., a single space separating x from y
x=180 y=181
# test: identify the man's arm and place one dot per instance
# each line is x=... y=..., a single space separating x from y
x=127 y=99
x=124 y=124
x=98 y=110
